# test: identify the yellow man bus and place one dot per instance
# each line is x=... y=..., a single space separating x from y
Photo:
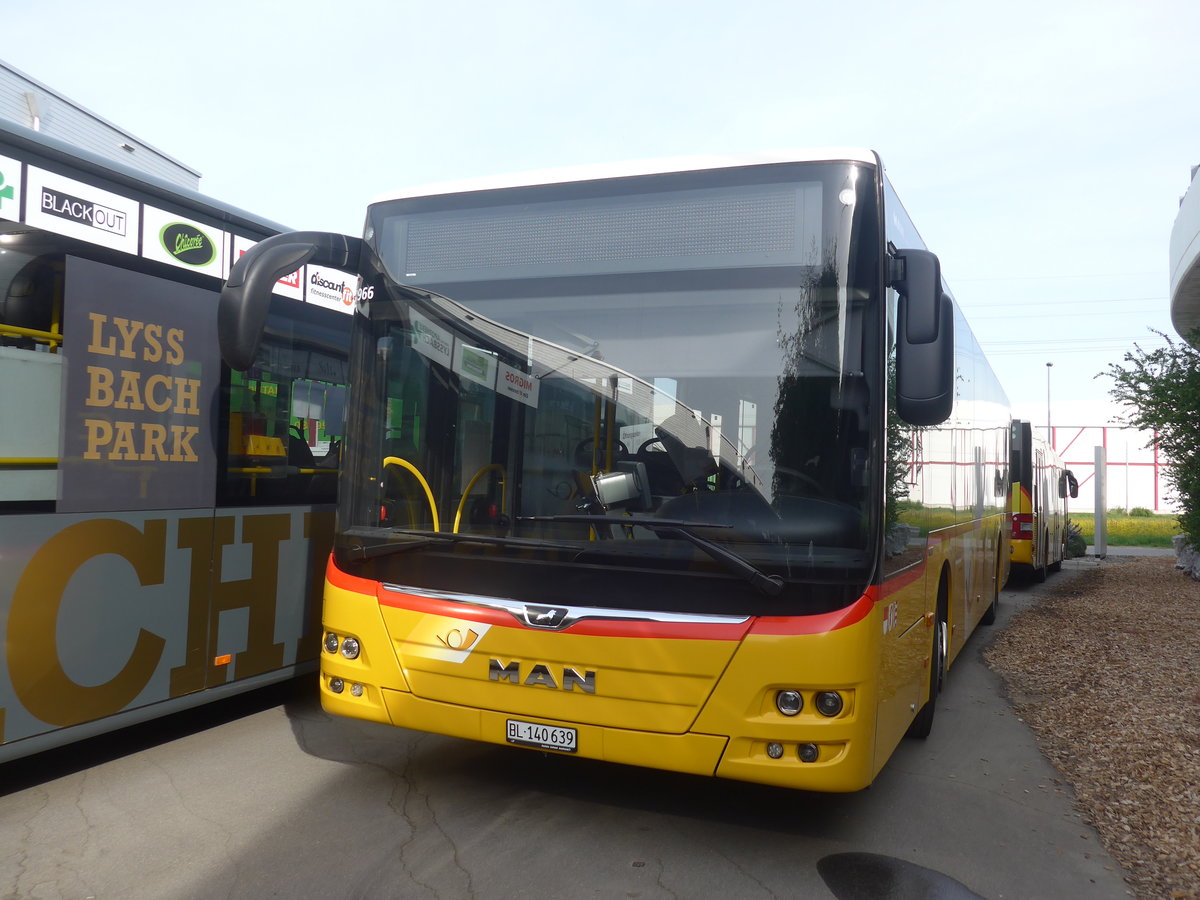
x=164 y=523
x=690 y=465
x=1040 y=486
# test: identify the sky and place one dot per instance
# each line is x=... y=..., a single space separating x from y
x=1040 y=147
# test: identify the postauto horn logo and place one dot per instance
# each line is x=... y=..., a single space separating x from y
x=188 y=244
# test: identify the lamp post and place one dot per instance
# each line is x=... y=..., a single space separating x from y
x=1049 y=433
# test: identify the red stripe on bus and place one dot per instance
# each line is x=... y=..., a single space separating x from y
x=819 y=624
x=435 y=606
x=347 y=582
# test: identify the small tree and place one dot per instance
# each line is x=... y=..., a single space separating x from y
x=1161 y=388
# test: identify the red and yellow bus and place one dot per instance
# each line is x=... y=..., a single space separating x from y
x=1040 y=486
x=693 y=466
x=164 y=522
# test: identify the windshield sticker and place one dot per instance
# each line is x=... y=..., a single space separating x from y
x=475 y=364
x=431 y=341
x=519 y=385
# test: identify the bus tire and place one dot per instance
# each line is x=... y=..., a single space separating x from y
x=922 y=725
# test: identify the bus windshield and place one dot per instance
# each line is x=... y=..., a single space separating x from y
x=710 y=408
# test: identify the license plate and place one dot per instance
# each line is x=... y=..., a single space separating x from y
x=544 y=737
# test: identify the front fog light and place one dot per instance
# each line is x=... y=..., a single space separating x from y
x=789 y=702
x=331 y=643
x=808 y=753
x=774 y=750
x=356 y=690
x=337 y=685
x=350 y=648
x=829 y=703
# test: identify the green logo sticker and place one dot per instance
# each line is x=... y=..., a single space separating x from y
x=188 y=244
x=474 y=363
x=6 y=191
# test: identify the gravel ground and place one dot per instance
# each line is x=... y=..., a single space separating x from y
x=1106 y=671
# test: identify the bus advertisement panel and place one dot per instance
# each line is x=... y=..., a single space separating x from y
x=164 y=522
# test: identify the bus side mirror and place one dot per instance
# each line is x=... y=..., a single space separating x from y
x=1068 y=485
x=924 y=340
x=246 y=294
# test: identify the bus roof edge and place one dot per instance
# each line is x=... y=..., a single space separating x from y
x=633 y=168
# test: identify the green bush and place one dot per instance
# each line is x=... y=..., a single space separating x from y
x=1140 y=512
x=1076 y=545
x=1161 y=392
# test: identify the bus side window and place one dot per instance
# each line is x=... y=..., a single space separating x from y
x=283 y=428
x=31 y=289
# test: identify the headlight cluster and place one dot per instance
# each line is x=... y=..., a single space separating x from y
x=337 y=685
x=349 y=646
x=807 y=753
x=790 y=702
x=828 y=703
x=350 y=649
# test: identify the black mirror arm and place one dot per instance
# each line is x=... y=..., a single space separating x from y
x=246 y=296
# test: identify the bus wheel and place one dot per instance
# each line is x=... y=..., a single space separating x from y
x=922 y=725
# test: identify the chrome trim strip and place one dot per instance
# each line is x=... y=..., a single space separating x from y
x=556 y=618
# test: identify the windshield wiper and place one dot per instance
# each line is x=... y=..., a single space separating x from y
x=771 y=585
x=364 y=550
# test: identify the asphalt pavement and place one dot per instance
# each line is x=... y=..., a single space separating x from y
x=270 y=796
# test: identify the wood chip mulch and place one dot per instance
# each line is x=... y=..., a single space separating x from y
x=1106 y=671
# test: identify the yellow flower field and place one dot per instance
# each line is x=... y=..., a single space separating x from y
x=1131 y=531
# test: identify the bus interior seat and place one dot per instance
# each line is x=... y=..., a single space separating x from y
x=662 y=473
x=692 y=460
x=299 y=454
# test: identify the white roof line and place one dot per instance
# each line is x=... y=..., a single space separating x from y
x=598 y=171
x=63 y=98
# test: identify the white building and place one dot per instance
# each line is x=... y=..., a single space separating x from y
x=30 y=103
x=1185 y=261
x=1135 y=468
